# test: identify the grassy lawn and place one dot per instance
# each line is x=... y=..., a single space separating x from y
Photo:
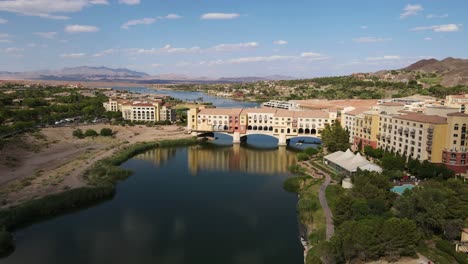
x=332 y=193
x=431 y=81
x=325 y=168
x=319 y=222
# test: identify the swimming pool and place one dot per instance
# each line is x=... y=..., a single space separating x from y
x=401 y=189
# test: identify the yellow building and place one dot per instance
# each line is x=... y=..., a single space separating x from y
x=144 y=111
x=413 y=135
x=455 y=150
x=366 y=128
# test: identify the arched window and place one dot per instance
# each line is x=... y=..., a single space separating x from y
x=301 y=131
x=313 y=131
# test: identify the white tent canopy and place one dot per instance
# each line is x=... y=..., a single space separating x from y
x=351 y=162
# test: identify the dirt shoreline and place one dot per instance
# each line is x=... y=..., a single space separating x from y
x=51 y=160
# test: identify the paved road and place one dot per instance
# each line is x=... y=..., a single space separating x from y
x=326 y=209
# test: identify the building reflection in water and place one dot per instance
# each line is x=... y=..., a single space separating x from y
x=237 y=158
x=233 y=158
x=158 y=155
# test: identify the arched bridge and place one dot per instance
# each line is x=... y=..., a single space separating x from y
x=283 y=137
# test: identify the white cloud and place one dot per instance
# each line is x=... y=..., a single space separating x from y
x=280 y=42
x=219 y=16
x=164 y=50
x=437 y=16
x=371 y=39
x=80 y=28
x=99 y=2
x=234 y=47
x=143 y=21
x=156 y=65
x=72 y=55
x=5 y=38
x=440 y=28
x=411 y=10
x=310 y=55
x=47 y=8
x=129 y=2
x=428 y=38
x=305 y=56
x=12 y=50
x=384 y=58
x=3 y=21
x=105 y=52
x=364 y=27
x=47 y=35
x=171 y=16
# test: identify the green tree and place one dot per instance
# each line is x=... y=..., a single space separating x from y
x=302 y=156
x=106 y=132
x=78 y=133
x=91 y=133
x=335 y=137
x=311 y=151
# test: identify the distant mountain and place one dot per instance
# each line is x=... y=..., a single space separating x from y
x=86 y=73
x=453 y=71
x=83 y=73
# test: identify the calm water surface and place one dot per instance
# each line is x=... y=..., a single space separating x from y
x=181 y=205
x=192 y=96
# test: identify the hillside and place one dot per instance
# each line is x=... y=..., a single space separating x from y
x=452 y=71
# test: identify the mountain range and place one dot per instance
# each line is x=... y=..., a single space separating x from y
x=86 y=73
x=452 y=71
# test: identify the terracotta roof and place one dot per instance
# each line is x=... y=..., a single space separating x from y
x=393 y=104
x=340 y=104
x=357 y=111
x=284 y=113
x=220 y=111
x=432 y=119
x=259 y=110
x=142 y=104
x=458 y=114
x=311 y=114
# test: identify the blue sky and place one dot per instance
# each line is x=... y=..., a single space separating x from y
x=215 y=38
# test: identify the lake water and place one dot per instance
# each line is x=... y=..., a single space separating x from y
x=199 y=204
x=192 y=96
x=182 y=205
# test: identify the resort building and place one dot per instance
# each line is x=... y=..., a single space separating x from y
x=141 y=111
x=348 y=119
x=413 y=135
x=458 y=101
x=366 y=127
x=283 y=124
x=167 y=114
x=455 y=152
x=287 y=105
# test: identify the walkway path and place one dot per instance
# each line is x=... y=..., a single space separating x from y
x=318 y=173
x=326 y=208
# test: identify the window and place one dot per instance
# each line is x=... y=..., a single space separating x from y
x=454 y=142
x=455 y=135
x=455 y=127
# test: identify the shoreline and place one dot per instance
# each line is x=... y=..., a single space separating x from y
x=96 y=190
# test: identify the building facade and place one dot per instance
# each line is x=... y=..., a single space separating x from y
x=141 y=111
x=454 y=155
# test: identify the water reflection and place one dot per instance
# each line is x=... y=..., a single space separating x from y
x=232 y=158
